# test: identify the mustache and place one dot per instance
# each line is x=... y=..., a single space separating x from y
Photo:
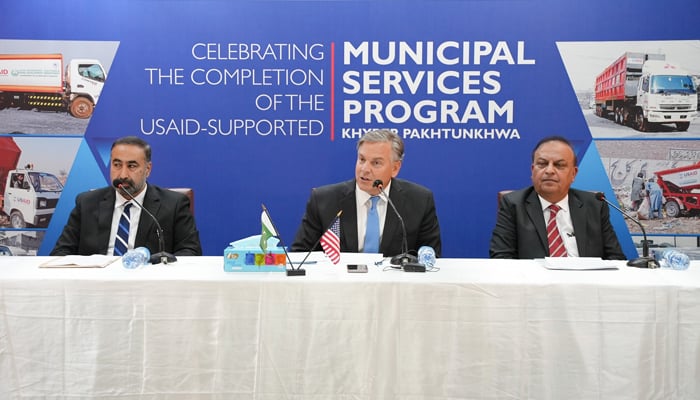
x=127 y=182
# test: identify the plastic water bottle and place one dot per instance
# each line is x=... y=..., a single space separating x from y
x=136 y=258
x=426 y=256
x=673 y=259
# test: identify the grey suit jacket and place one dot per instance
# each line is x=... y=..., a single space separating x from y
x=414 y=202
x=520 y=230
x=89 y=224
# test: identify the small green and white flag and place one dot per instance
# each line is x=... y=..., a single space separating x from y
x=268 y=230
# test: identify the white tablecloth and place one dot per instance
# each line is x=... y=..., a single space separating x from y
x=476 y=329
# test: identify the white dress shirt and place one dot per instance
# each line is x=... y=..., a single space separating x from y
x=566 y=227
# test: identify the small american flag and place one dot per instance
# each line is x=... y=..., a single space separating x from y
x=330 y=241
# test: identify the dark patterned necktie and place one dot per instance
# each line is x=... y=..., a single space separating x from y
x=121 y=242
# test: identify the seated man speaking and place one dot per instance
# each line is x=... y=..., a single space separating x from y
x=368 y=224
x=106 y=221
x=549 y=219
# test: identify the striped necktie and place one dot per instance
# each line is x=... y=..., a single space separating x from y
x=372 y=231
x=121 y=242
x=556 y=244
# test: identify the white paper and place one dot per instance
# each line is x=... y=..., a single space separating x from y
x=313 y=257
x=93 y=261
x=578 y=263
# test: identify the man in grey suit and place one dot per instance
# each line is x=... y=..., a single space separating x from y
x=379 y=157
x=93 y=224
x=582 y=220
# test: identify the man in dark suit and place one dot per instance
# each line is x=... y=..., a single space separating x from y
x=379 y=157
x=583 y=222
x=93 y=224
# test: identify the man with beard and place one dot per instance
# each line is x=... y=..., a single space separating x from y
x=106 y=221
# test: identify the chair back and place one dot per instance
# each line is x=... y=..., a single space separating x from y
x=189 y=192
x=500 y=195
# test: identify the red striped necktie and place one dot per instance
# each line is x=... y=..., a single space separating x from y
x=556 y=244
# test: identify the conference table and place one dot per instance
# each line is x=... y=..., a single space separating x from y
x=471 y=329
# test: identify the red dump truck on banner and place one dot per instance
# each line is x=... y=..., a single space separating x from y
x=681 y=187
x=39 y=81
x=641 y=90
x=27 y=197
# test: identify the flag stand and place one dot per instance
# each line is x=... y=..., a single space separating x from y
x=296 y=272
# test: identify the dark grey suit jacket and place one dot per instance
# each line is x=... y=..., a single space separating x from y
x=90 y=223
x=414 y=202
x=520 y=230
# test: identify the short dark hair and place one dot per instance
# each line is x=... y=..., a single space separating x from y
x=555 y=138
x=385 y=135
x=136 y=141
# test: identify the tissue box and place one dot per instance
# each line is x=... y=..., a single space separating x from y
x=246 y=256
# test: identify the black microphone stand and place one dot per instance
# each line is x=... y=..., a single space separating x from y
x=162 y=256
x=641 y=262
x=405 y=260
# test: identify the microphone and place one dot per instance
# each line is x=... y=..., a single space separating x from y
x=407 y=261
x=161 y=256
x=642 y=262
